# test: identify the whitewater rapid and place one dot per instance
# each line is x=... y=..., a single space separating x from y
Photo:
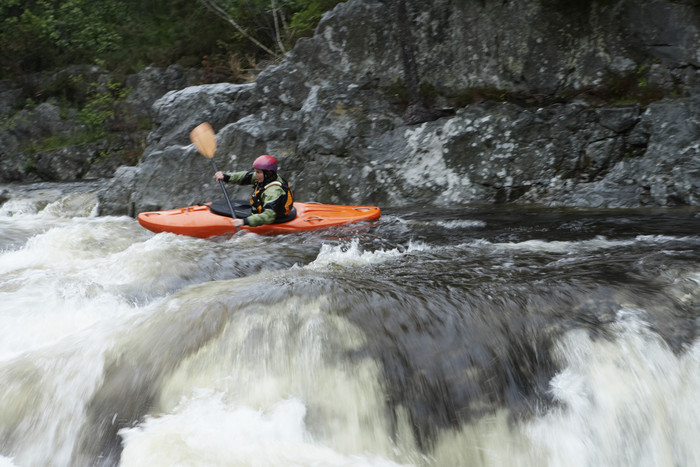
x=396 y=345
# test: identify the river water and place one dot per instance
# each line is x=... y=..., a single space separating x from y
x=480 y=336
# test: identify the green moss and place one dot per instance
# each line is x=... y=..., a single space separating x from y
x=478 y=94
x=145 y=124
x=100 y=105
x=101 y=157
x=55 y=142
x=631 y=88
x=397 y=90
x=29 y=165
x=429 y=92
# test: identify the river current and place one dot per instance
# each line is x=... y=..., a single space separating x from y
x=481 y=336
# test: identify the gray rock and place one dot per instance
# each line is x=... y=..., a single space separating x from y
x=619 y=119
x=119 y=190
x=66 y=164
x=42 y=121
x=152 y=83
x=175 y=176
x=22 y=132
x=10 y=98
x=332 y=109
x=178 y=112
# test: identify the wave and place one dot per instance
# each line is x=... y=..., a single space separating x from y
x=596 y=243
x=353 y=254
x=206 y=430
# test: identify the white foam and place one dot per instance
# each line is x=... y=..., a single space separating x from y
x=597 y=243
x=72 y=277
x=627 y=401
x=594 y=244
x=45 y=395
x=289 y=398
x=352 y=254
x=20 y=207
x=461 y=224
x=630 y=401
x=207 y=431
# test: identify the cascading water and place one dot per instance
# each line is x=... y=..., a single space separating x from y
x=475 y=337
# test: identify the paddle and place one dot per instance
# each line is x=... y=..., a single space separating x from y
x=205 y=141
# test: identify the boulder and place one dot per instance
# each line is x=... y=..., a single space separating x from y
x=67 y=164
x=120 y=187
x=177 y=112
x=10 y=98
x=152 y=83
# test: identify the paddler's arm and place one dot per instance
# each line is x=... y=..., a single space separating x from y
x=239 y=178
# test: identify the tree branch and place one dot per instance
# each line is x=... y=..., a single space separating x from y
x=277 y=26
x=217 y=10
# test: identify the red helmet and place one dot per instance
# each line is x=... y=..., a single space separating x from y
x=265 y=163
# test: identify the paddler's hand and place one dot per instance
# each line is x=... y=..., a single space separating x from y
x=237 y=222
x=219 y=176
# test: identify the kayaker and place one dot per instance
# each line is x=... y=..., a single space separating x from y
x=271 y=200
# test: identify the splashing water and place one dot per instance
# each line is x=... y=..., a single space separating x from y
x=479 y=339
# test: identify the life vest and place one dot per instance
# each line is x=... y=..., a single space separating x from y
x=282 y=205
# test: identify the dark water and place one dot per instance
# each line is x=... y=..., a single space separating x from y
x=475 y=336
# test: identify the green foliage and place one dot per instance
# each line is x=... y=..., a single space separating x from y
x=96 y=116
x=127 y=35
x=630 y=88
x=29 y=165
x=277 y=24
x=100 y=106
x=43 y=34
x=307 y=15
x=58 y=141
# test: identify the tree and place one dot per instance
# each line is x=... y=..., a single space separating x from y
x=273 y=26
x=217 y=10
x=43 y=34
x=125 y=36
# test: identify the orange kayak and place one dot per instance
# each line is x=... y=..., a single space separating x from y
x=199 y=221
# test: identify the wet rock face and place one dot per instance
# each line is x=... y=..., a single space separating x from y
x=551 y=102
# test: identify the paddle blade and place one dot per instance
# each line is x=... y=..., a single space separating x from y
x=204 y=139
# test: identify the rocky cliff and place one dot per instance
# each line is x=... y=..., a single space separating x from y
x=553 y=102
x=68 y=125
